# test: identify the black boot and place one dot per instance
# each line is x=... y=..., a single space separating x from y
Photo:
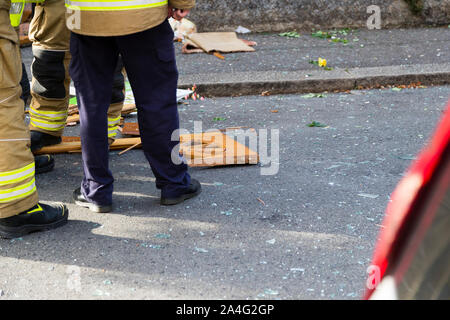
x=40 y=217
x=25 y=84
x=44 y=163
x=40 y=140
x=193 y=190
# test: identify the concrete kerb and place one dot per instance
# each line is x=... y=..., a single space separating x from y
x=315 y=81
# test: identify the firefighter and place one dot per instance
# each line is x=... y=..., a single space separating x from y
x=20 y=211
x=50 y=77
x=139 y=31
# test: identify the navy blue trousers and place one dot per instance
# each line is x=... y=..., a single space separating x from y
x=149 y=59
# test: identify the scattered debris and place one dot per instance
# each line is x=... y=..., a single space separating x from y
x=210 y=42
x=182 y=28
x=151 y=246
x=271 y=292
x=138 y=144
x=334 y=35
x=261 y=201
x=162 y=236
x=367 y=195
x=201 y=250
x=271 y=241
x=218 y=55
x=200 y=150
x=314 y=95
x=298 y=270
x=407 y=157
x=316 y=124
x=291 y=34
x=322 y=63
x=242 y=29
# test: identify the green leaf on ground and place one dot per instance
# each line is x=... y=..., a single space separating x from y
x=292 y=34
x=219 y=119
x=316 y=124
x=321 y=34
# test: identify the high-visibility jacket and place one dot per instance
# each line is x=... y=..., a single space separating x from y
x=119 y=17
x=16 y=11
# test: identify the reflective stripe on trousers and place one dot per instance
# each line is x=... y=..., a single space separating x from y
x=15 y=185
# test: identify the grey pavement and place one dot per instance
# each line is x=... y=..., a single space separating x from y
x=282 y=65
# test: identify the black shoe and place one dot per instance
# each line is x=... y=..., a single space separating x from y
x=39 y=218
x=193 y=190
x=40 y=140
x=44 y=163
x=81 y=201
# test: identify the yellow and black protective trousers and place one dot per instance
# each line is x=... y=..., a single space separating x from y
x=51 y=80
x=17 y=182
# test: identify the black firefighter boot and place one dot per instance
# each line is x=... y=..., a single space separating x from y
x=38 y=218
x=44 y=163
x=40 y=140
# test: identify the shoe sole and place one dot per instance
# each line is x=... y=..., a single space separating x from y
x=94 y=207
x=12 y=232
x=174 y=201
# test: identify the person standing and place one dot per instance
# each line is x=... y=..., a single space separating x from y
x=139 y=31
x=50 y=83
x=20 y=210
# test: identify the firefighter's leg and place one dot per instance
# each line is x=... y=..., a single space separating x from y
x=117 y=99
x=17 y=172
x=20 y=212
x=51 y=81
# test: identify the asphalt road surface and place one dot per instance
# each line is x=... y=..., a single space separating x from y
x=306 y=232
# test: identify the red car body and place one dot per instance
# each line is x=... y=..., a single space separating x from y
x=413 y=247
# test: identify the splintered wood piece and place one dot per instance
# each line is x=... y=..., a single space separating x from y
x=200 y=149
x=73 y=144
x=73 y=118
x=130 y=148
x=218 y=55
x=73 y=110
x=131 y=129
x=128 y=108
x=70 y=139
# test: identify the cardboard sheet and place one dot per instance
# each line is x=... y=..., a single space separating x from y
x=224 y=42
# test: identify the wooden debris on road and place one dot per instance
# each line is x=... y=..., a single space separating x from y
x=199 y=150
